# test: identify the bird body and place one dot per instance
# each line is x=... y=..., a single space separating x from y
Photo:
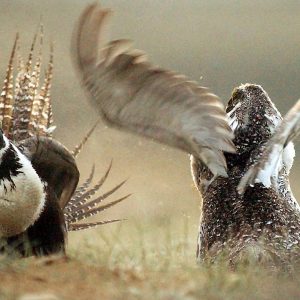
x=251 y=145
x=262 y=220
x=21 y=188
x=39 y=197
x=265 y=219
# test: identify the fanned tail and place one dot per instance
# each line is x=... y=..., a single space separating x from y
x=89 y=211
x=82 y=188
x=25 y=109
x=81 y=195
x=6 y=98
x=82 y=206
x=25 y=97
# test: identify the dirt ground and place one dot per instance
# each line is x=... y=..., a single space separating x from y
x=152 y=254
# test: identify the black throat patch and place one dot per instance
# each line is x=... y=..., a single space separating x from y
x=10 y=166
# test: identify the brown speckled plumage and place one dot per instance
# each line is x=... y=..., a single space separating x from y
x=264 y=222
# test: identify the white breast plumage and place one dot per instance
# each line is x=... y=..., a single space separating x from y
x=22 y=195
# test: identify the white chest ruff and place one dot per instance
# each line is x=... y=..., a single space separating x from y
x=20 y=206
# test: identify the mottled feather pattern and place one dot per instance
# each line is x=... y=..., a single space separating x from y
x=36 y=80
x=81 y=207
x=79 y=147
x=45 y=118
x=89 y=211
x=88 y=205
x=24 y=98
x=6 y=98
x=262 y=223
x=80 y=200
x=284 y=134
x=24 y=107
x=80 y=190
x=79 y=226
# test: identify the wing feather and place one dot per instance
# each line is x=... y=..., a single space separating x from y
x=131 y=94
x=288 y=130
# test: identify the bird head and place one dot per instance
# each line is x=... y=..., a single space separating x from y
x=252 y=116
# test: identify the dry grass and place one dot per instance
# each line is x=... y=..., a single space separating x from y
x=137 y=260
x=155 y=260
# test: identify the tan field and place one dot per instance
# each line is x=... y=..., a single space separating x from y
x=151 y=255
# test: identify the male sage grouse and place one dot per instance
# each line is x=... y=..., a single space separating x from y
x=262 y=220
x=39 y=201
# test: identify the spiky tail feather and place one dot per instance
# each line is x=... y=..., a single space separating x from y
x=76 y=227
x=81 y=206
x=25 y=109
x=6 y=98
x=79 y=147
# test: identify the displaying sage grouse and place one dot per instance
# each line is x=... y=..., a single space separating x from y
x=261 y=222
x=39 y=197
x=131 y=94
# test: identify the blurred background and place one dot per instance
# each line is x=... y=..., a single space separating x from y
x=219 y=43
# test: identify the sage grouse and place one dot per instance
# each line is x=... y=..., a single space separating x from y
x=39 y=201
x=130 y=94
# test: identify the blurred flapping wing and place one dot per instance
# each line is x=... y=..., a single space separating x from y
x=265 y=166
x=131 y=94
